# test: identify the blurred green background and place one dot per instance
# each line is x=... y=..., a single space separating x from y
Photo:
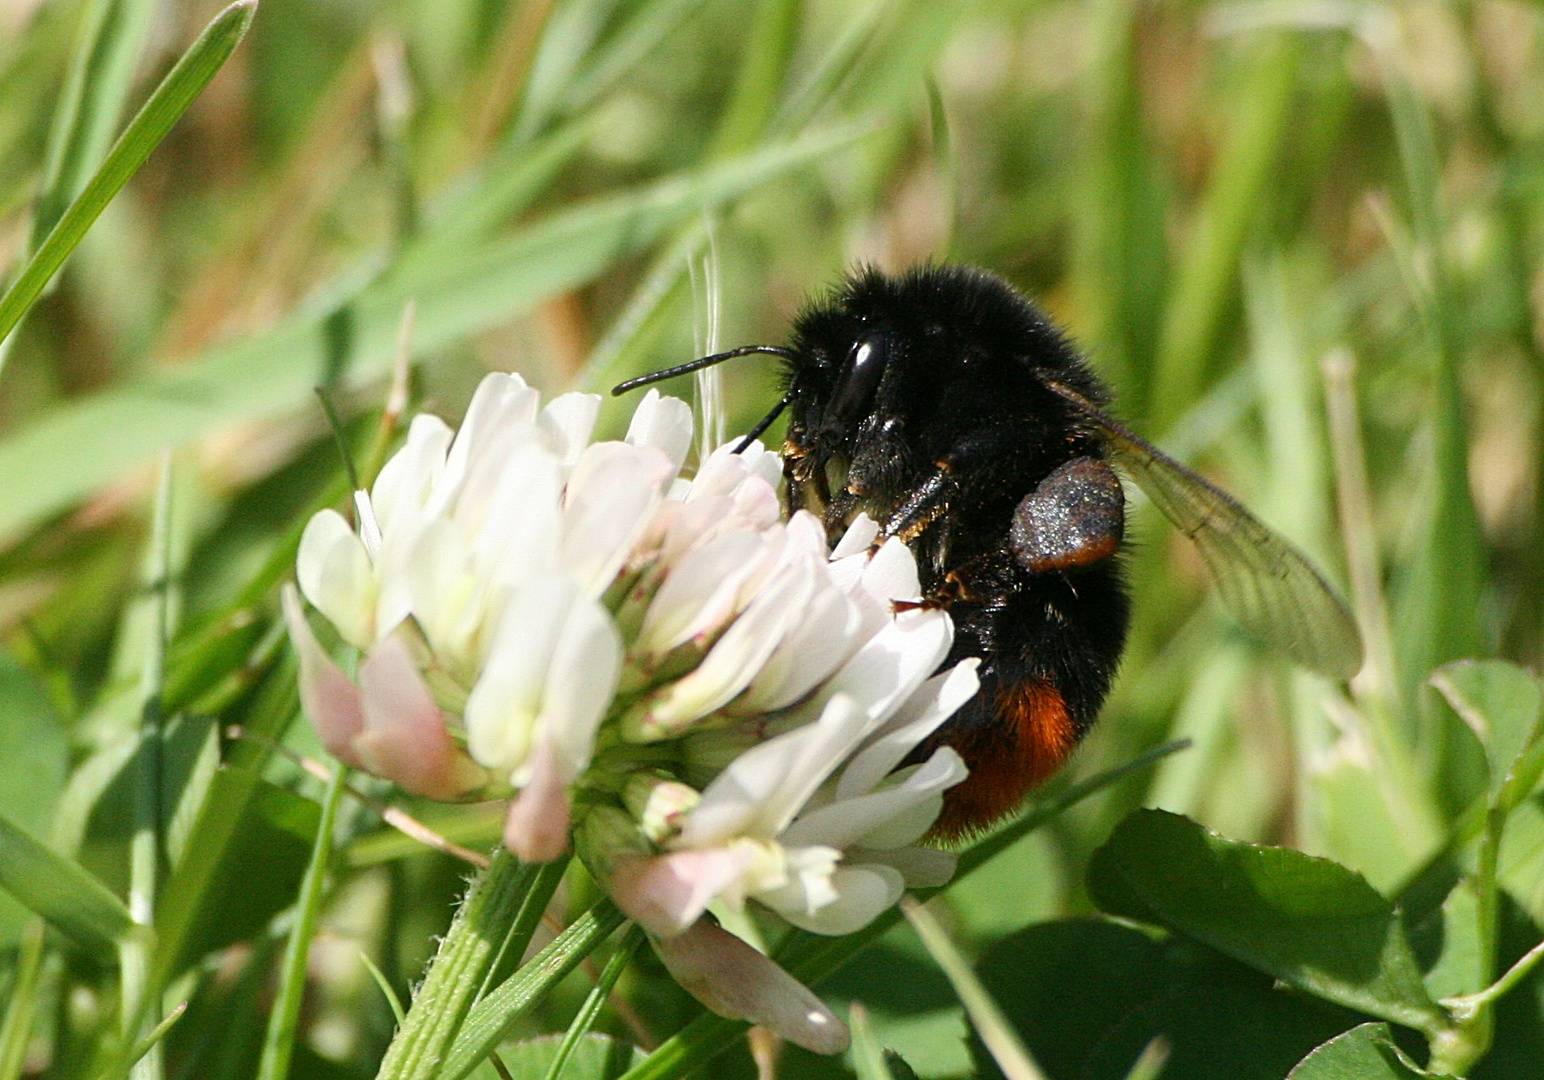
x=1215 y=200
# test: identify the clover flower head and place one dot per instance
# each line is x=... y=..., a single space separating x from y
x=716 y=704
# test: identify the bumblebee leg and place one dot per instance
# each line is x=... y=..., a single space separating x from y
x=1074 y=517
x=925 y=505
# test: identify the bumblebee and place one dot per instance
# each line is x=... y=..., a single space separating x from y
x=951 y=410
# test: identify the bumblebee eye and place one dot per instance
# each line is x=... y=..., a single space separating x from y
x=859 y=379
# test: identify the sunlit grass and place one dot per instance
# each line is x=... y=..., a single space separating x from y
x=1216 y=200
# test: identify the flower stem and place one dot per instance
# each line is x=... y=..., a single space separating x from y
x=1470 y=1003
x=490 y=1020
x=538 y=895
x=1456 y=1049
x=457 y=971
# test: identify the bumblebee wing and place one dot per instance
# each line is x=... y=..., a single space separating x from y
x=1270 y=587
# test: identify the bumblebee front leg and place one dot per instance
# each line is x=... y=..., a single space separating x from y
x=925 y=505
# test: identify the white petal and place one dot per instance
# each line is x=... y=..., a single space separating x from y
x=892 y=573
x=719 y=476
x=335 y=574
x=664 y=423
x=502 y=708
x=737 y=656
x=762 y=790
x=890 y=666
x=700 y=592
x=568 y=422
x=893 y=816
x=501 y=400
x=863 y=892
x=403 y=485
x=447 y=597
x=934 y=702
x=922 y=867
x=329 y=700
x=581 y=682
x=610 y=494
x=405 y=740
x=821 y=641
x=499 y=451
x=736 y=981
x=369 y=527
x=856 y=540
x=521 y=532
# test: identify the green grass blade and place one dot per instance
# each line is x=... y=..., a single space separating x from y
x=1436 y=609
x=284 y=1020
x=589 y=1012
x=166 y=105
x=21 y=1006
x=108 y=50
x=1006 y=1048
x=868 y=1060
x=1207 y=277
x=139 y=1000
x=147 y=1043
x=62 y=892
x=74 y=450
x=1118 y=246
x=214 y=829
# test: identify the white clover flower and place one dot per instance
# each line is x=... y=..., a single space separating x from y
x=484 y=553
x=723 y=704
x=812 y=822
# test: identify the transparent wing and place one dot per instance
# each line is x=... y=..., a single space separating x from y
x=1267 y=584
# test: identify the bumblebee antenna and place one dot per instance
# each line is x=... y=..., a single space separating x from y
x=764 y=423
x=698 y=365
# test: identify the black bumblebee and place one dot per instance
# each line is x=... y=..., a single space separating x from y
x=952 y=411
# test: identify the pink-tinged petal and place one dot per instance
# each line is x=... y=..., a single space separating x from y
x=734 y=659
x=330 y=701
x=700 y=593
x=669 y=893
x=536 y=829
x=665 y=423
x=735 y=981
x=405 y=740
x=334 y=572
